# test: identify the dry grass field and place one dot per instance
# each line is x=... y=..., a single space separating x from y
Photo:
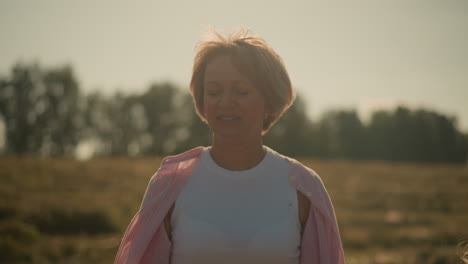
x=67 y=211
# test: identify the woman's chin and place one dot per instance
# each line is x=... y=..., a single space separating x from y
x=231 y=134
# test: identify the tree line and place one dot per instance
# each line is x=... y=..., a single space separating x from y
x=45 y=113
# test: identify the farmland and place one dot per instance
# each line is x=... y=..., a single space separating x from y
x=68 y=211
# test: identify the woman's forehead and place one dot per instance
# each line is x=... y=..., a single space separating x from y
x=222 y=68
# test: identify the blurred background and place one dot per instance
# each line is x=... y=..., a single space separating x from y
x=93 y=94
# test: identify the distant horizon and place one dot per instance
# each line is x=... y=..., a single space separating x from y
x=364 y=110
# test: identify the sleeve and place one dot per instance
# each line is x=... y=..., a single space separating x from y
x=321 y=242
x=140 y=232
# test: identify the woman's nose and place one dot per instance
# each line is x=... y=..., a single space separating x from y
x=227 y=100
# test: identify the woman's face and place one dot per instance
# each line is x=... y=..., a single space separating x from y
x=233 y=107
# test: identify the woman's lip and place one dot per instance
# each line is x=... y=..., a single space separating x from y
x=227 y=118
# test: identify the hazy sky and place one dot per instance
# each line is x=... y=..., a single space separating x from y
x=340 y=54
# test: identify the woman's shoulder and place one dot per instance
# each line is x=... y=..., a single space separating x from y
x=170 y=164
x=297 y=168
x=309 y=184
x=164 y=177
x=189 y=154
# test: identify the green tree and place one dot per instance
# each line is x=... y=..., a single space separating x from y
x=293 y=134
x=192 y=132
x=161 y=103
x=415 y=135
x=40 y=109
x=342 y=135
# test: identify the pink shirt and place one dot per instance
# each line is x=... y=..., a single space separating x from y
x=146 y=240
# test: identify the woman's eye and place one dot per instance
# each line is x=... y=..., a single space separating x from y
x=242 y=92
x=212 y=92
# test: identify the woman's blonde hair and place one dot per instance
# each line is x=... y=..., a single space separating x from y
x=256 y=60
x=462 y=251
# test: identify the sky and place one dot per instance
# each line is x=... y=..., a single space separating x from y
x=361 y=54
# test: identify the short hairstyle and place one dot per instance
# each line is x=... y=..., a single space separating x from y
x=253 y=58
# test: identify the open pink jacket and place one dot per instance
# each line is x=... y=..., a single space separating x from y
x=146 y=240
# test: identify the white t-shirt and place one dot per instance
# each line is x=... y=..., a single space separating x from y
x=249 y=216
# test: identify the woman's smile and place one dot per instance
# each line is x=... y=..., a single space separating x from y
x=228 y=118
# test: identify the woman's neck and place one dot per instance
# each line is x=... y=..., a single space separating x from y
x=237 y=156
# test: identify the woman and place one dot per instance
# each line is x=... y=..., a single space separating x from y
x=236 y=201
